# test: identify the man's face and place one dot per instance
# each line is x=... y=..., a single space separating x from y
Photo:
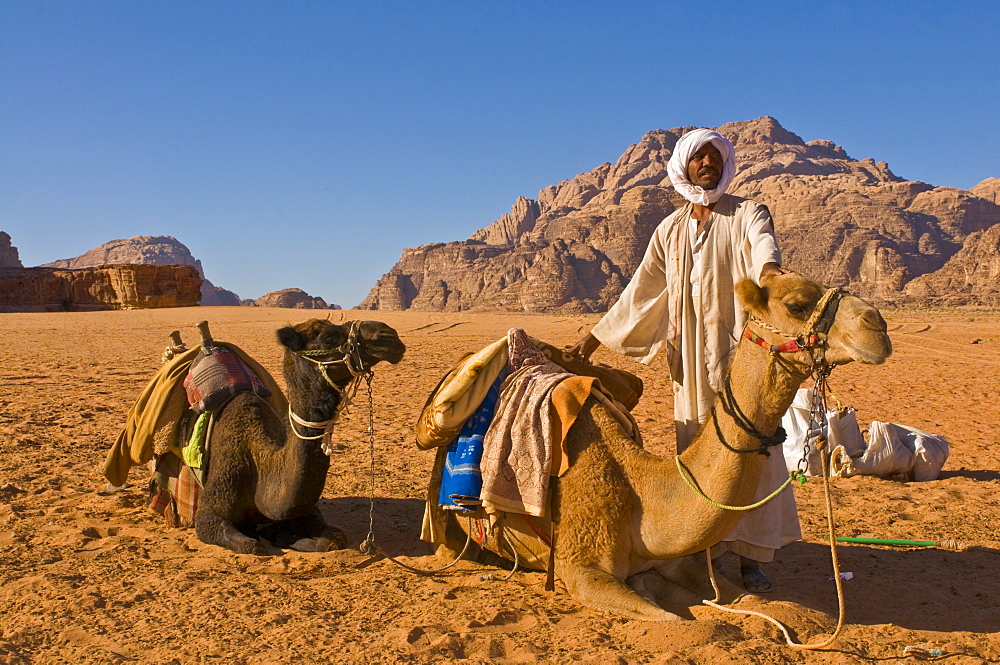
x=705 y=167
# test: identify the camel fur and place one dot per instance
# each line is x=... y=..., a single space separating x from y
x=630 y=534
x=262 y=478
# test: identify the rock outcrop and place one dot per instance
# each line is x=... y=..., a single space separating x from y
x=843 y=221
x=292 y=299
x=99 y=288
x=149 y=250
x=8 y=253
x=971 y=276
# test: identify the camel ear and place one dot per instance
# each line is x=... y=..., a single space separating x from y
x=289 y=338
x=753 y=297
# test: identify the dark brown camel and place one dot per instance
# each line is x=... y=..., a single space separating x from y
x=265 y=475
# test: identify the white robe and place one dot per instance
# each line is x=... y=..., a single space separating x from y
x=657 y=311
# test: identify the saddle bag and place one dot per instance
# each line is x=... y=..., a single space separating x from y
x=217 y=374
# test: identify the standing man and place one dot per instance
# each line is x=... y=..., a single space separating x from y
x=681 y=300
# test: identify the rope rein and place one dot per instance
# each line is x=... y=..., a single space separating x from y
x=795 y=474
x=350 y=358
x=733 y=410
x=841 y=605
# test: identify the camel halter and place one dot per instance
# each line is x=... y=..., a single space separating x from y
x=350 y=352
x=818 y=324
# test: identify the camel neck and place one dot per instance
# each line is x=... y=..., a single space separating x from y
x=762 y=390
x=310 y=395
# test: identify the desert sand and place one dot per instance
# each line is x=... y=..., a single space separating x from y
x=90 y=575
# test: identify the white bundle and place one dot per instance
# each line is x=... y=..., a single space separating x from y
x=894 y=450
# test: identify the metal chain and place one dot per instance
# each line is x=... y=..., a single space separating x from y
x=368 y=546
x=817 y=411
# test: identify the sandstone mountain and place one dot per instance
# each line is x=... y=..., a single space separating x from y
x=843 y=221
x=149 y=250
x=8 y=253
x=100 y=288
x=292 y=299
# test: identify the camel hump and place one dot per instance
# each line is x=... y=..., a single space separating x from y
x=218 y=373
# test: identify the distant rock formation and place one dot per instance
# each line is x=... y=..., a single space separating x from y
x=971 y=276
x=8 y=253
x=102 y=288
x=149 y=250
x=842 y=221
x=292 y=299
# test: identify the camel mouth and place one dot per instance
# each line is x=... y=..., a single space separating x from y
x=866 y=355
x=390 y=350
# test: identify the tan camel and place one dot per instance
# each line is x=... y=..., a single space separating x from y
x=626 y=522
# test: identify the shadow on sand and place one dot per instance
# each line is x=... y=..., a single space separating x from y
x=920 y=589
x=978 y=475
x=396 y=522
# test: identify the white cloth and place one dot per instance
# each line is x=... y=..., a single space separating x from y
x=677 y=167
x=656 y=311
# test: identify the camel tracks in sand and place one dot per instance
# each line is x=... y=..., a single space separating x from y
x=936 y=349
x=431 y=325
x=911 y=328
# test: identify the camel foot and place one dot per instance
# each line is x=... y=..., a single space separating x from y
x=332 y=539
x=252 y=547
x=690 y=573
x=304 y=535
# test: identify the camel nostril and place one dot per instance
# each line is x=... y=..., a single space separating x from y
x=873 y=320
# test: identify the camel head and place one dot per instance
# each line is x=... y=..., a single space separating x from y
x=358 y=345
x=847 y=328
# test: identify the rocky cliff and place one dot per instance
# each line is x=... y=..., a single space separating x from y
x=149 y=250
x=292 y=299
x=8 y=253
x=843 y=221
x=100 y=288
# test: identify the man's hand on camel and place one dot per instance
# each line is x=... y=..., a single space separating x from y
x=584 y=348
x=773 y=269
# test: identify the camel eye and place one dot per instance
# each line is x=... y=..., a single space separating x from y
x=332 y=337
x=796 y=309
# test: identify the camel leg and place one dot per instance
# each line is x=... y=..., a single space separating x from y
x=215 y=530
x=660 y=590
x=603 y=591
x=691 y=574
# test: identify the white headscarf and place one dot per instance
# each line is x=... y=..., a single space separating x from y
x=677 y=167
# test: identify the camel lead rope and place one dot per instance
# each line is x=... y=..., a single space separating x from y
x=818 y=403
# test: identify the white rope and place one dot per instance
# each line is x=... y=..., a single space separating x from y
x=325 y=425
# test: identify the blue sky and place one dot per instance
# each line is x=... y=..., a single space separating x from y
x=307 y=144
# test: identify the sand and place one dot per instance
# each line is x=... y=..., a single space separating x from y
x=89 y=575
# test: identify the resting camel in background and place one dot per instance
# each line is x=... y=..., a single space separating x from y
x=625 y=520
x=266 y=474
